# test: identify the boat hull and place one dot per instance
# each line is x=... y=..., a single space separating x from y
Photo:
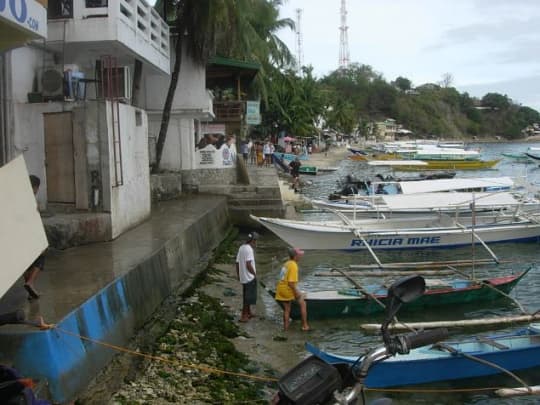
x=335 y=304
x=328 y=236
x=451 y=165
x=428 y=364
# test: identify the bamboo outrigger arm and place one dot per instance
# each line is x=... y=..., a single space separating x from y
x=479 y=239
x=357 y=233
x=458 y=323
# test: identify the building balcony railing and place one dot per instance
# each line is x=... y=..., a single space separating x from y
x=134 y=23
x=229 y=111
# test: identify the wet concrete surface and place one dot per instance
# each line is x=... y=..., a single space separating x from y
x=74 y=275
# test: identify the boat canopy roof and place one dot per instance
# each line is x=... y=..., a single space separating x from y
x=445 y=200
x=428 y=186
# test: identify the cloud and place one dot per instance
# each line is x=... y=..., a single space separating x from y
x=524 y=90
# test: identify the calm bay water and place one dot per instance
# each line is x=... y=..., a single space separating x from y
x=344 y=335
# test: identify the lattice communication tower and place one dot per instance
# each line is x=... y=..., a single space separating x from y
x=299 y=41
x=343 y=38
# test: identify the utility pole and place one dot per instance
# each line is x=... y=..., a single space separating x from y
x=299 y=44
x=343 y=39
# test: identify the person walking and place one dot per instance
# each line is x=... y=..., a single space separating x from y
x=287 y=289
x=38 y=265
x=247 y=274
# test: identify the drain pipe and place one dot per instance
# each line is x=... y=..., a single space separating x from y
x=5 y=100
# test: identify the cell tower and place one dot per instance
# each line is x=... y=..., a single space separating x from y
x=299 y=45
x=343 y=39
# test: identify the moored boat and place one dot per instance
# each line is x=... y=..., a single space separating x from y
x=450 y=165
x=517 y=350
x=351 y=302
x=430 y=231
x=399 y=205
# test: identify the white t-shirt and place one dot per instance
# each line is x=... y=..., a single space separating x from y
x=245 y=254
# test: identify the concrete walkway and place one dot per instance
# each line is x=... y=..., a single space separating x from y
x=107 y=291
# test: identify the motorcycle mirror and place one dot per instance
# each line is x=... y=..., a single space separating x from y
x=402 y=291
x=407 y=289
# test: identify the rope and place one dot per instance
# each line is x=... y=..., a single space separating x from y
x=207 y=369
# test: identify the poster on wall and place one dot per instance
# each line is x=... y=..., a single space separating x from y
x=215 y=150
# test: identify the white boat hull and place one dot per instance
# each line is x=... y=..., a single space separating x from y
x=336 y=236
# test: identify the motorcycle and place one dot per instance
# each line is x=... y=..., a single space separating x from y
x=314 y=381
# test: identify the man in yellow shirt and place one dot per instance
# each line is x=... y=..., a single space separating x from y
x=287 y=289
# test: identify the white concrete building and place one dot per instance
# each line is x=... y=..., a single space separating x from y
x=72 y=111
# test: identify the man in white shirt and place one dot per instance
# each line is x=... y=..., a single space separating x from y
x=246 y=273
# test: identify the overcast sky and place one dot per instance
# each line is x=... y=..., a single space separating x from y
x=487 y=45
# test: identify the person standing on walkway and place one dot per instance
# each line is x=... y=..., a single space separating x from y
x=287 y=289
x=267 y=153
x=32 y=272
x=247 y=274
x=294 y=168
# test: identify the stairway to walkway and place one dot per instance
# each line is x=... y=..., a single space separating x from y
x=261 y=197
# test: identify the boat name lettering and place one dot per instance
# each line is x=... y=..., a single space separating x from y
x=426 y=240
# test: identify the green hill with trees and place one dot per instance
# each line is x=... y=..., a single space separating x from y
x=348 y=99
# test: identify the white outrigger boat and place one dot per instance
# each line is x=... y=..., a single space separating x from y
x=413 y=232
x=401 y=205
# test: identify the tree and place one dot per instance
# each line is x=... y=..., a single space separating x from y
x=245 y=27
x=402 y=83
x=447 y=80
x=496 y=100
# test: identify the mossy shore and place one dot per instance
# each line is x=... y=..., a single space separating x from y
x=194 y=333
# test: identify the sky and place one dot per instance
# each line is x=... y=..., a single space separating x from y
x=486 y=45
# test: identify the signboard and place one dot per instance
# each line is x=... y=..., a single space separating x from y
x=27 y=15
x=22 y=238
x=253 y=112
x=211 y=157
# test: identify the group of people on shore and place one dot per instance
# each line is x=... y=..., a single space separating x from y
x=286 y=287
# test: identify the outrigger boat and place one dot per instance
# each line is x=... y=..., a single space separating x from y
x=401 y=205
x=429 y=231
x=353 y=302
x=449 y=165
x=451 y=360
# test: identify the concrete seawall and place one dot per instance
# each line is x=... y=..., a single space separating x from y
x=106 y=291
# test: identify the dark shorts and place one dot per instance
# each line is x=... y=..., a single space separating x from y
x=250 y=292
x=39 y=263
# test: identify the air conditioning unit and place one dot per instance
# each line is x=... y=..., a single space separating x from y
x=52 y=83
x=116 y=83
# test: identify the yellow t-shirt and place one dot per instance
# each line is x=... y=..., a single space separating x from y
x=288 y=273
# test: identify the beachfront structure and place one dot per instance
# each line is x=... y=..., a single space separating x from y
x=75 y=108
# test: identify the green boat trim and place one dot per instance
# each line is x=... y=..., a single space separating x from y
x=345 y=303
x=308 y=170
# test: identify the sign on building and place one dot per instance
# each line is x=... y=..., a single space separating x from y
x=253 y=112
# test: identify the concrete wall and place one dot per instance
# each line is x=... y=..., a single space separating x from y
x=190 y=93
x=191 y=101
x=66 y=361
x=130 y=202
x=192 y=178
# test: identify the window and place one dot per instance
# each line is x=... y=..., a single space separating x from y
x=96 y=3
x=60 y=9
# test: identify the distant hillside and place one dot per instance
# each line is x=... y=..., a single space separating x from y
x=429 y=109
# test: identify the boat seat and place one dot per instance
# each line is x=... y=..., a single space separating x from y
x=491 y=342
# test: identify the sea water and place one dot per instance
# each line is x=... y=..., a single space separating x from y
x=344 y=336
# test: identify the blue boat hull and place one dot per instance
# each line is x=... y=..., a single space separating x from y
x=427 y=365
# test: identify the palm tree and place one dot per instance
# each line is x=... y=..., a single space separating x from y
x=245 y=29
x=199 y=24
